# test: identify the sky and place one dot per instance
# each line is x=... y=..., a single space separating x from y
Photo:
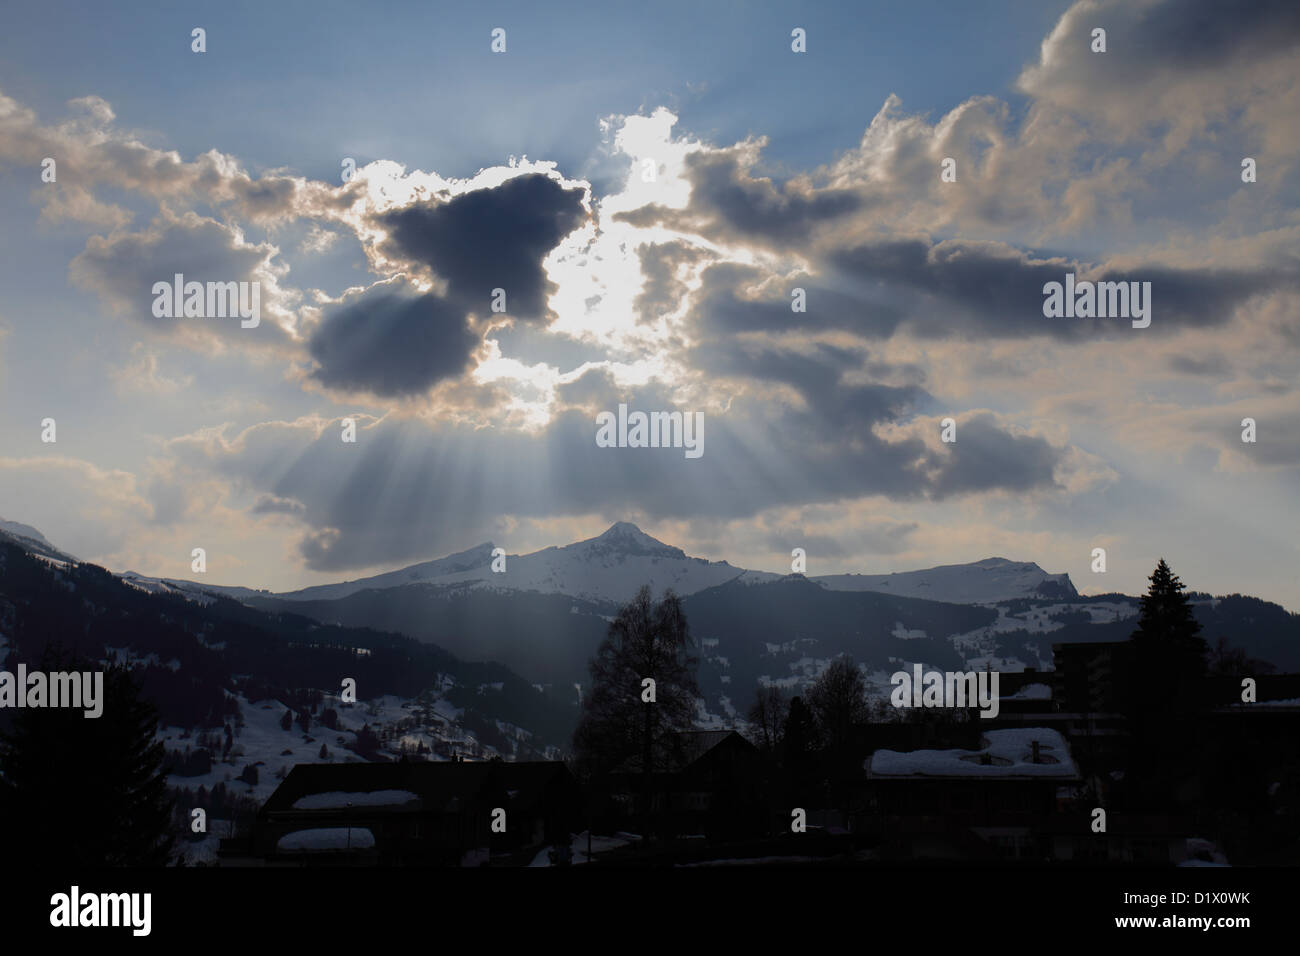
x=649 y=187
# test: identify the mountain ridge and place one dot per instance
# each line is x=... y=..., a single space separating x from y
x=610 y=567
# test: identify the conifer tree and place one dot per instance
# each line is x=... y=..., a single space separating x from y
x=1167 y=630
x=1169 y=654
x=78 y=791
x=1164 y=688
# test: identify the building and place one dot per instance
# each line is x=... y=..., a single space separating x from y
x=709 y=783
x=412 y=812
x=992 y=802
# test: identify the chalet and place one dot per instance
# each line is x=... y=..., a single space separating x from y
x=989 y=802
x=413 y=812
x=705 y=782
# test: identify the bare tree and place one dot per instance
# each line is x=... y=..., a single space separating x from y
x=839 y=702
x=645 y=640
x=767 y=715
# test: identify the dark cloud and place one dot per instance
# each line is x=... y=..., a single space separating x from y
x=755 y=207
x=721 y=308
x=832 y=408
x=837 y=427
x=727 y=203
x=391 y=340
x=1210 y=365
x=663 y=291
x=488 y=239
x=987 y=289
x=652 y=214
x=986 y=456
x=1203 y=34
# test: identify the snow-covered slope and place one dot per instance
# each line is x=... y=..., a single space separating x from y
x=23 y=531
x=31 y=540
x=612 y=566
x=192 y=590
x=465 y=565
x=983 y=582
x=608 y=568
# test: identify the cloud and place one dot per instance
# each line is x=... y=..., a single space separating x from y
x=122 y=268
x=734 y=298
x=487 y=239
x=1183 y=65
x=924 y=300
x=987 y=455
x=794 y=432
x=1211 y=366
x=79 y=506
x=143 y=374
x=92 y=153
x=727 y=202
x=989 y=288
x=274 y=505
x=391 y=340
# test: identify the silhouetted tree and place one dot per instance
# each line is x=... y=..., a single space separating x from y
x=838 y=700
x=1228 y=661
x=768 y=715
x=645 y=640
x=1167 y=632
x=1164 y=688
x=1169 y=655
x=286 y=721
x=78 y=791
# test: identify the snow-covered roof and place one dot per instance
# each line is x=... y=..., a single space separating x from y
x=339 y=799
x=1005 y=753
x=1031 y=692
x=327 y=838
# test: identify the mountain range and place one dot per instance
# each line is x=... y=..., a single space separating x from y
x=451 y=657
x=543 y=614
x=611 y=567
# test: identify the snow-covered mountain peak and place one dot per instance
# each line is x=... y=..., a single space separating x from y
x=623 y=529
x=626 y=538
